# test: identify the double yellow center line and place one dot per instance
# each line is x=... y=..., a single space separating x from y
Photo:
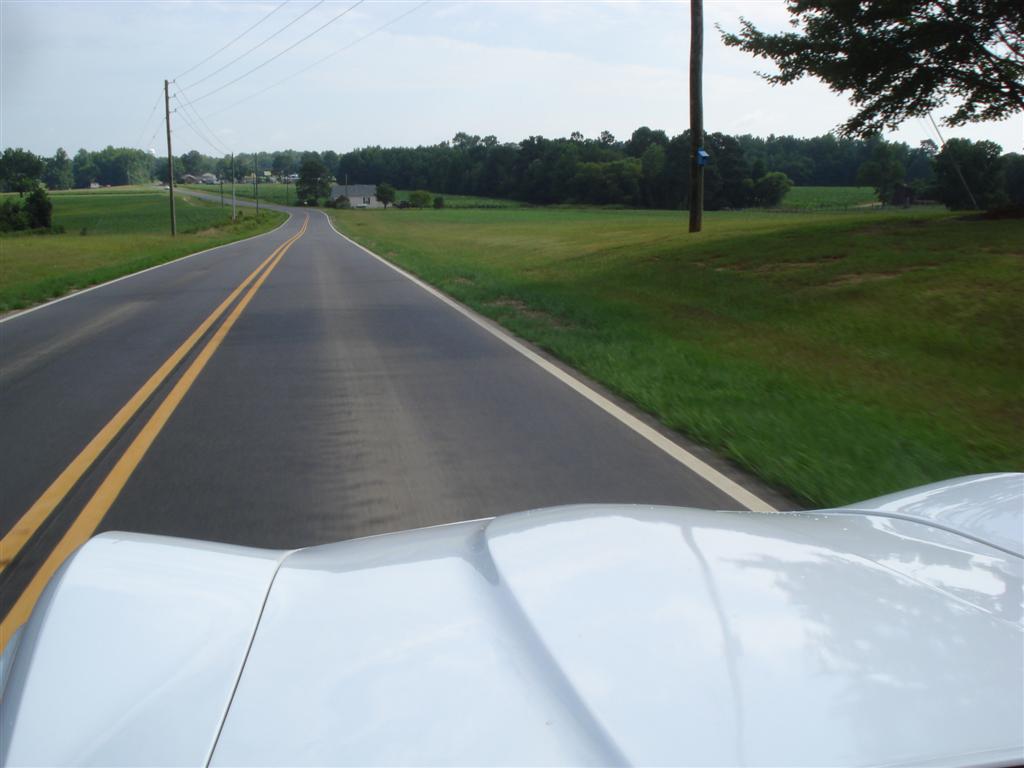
x=94 y=511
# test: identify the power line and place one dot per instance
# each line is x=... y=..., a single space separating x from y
x=258 y=45
x=195 y=113
x=318 y=62
x=281 y=53
x=196 y=131
x=145 y=125
x=234 y=40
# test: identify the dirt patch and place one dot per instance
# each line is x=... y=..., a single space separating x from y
x=524 y=310
x=464 y=281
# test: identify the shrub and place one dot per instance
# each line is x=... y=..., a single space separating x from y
x=771 y=188
x=12 y=217
x=439 y=202
x=420 y=199
x=39 y=209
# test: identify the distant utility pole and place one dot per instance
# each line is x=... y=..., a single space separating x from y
x=256 y=179
x=232 y=186
x=170 y=157
x=222 y=193
x=696 y=114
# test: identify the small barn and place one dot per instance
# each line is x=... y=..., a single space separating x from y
x=359 y=195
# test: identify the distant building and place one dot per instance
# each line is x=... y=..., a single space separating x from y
x=359 y=195
x=188 y=178
x=208 y=178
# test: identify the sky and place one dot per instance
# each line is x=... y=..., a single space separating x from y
x=88 y=74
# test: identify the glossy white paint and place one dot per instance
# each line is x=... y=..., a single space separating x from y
x=707 y=638
x=402 y=650
x=988 y=507
x=577 y=635
x=132 y=652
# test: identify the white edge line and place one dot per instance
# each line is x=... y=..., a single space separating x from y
x=697 y=466
x=59 y=299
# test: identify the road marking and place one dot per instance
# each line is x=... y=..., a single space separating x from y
x=45 y=304
x=95 y=510
x=44 y=506
x=701 y=468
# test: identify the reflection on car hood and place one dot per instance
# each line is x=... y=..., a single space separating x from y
x=575 y=635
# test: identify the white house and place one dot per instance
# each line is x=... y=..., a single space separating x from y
x=359 y=195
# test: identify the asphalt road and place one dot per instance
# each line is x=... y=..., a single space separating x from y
x=343 y=400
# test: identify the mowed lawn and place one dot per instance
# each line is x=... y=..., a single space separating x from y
x=280 y=194
x=828 y=198
x=110 y=234
x=838 y=356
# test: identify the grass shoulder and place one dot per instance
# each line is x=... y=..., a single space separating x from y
x=109 y=234
x=837 y=355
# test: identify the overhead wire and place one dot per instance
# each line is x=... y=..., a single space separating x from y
x=233 y=40
x=258 y=45
x=320 y=61
x=187 y=103
x=195 y=130
x=145 y=125
x=279 y=54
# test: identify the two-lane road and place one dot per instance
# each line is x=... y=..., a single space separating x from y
x=291 y=390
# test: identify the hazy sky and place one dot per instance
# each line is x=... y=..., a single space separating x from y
x=89 y=74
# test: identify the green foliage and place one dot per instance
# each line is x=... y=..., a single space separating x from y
x=770 y=189
x=386 y=194
x=976 y=164
x=438 y=201
x=420 y=199
x=35 y=212
x=902 y=58
x=57 y=172
x=20 y=170
x=314 y=180
x=83 y=169
x=12 y=216
x=649 y=170
x=883 y=172
x=1013 y=171
x=39 y=209
x=841 y=355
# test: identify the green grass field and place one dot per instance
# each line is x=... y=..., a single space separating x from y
x=838 y=356
x=110 y=234
x=466 y=201
x=281 y=194
x=828 y=198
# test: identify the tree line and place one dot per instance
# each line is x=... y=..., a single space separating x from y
x=650 y=169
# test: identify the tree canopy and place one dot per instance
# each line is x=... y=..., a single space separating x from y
x=314 y=179
x=902 y=58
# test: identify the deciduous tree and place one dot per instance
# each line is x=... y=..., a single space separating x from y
x=385 y=193
x=899 y=59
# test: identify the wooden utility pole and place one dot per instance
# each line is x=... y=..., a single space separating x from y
x=170 y=157
x=232 y=186
x=256 y=179
x=696 y=114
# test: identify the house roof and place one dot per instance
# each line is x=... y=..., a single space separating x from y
x=353 y=190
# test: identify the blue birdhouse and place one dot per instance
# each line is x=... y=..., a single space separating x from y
x=702 y=157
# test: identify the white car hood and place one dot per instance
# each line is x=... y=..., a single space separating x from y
x=578 y=635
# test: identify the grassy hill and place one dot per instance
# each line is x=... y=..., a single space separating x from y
x=837 y=355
